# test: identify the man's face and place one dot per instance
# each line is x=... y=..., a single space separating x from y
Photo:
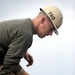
x=45 y=28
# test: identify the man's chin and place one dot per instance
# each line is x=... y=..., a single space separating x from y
x=41 y=36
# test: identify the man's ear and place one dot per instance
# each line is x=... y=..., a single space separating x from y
x=42 y=20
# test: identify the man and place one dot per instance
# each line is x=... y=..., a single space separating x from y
x=16 y=37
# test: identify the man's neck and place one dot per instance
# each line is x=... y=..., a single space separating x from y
x=36 y=24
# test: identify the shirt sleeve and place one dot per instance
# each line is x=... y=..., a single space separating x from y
x=16 y=50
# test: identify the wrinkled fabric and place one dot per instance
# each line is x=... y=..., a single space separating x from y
x=16 y=37
x=5 y=71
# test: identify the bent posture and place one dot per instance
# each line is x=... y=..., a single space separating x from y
x=16 y=36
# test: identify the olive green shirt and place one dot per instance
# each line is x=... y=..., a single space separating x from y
x=16 y=36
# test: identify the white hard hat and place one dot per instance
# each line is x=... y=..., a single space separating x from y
x=55 y=15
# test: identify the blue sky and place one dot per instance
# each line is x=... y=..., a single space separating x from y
x=53 y=55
